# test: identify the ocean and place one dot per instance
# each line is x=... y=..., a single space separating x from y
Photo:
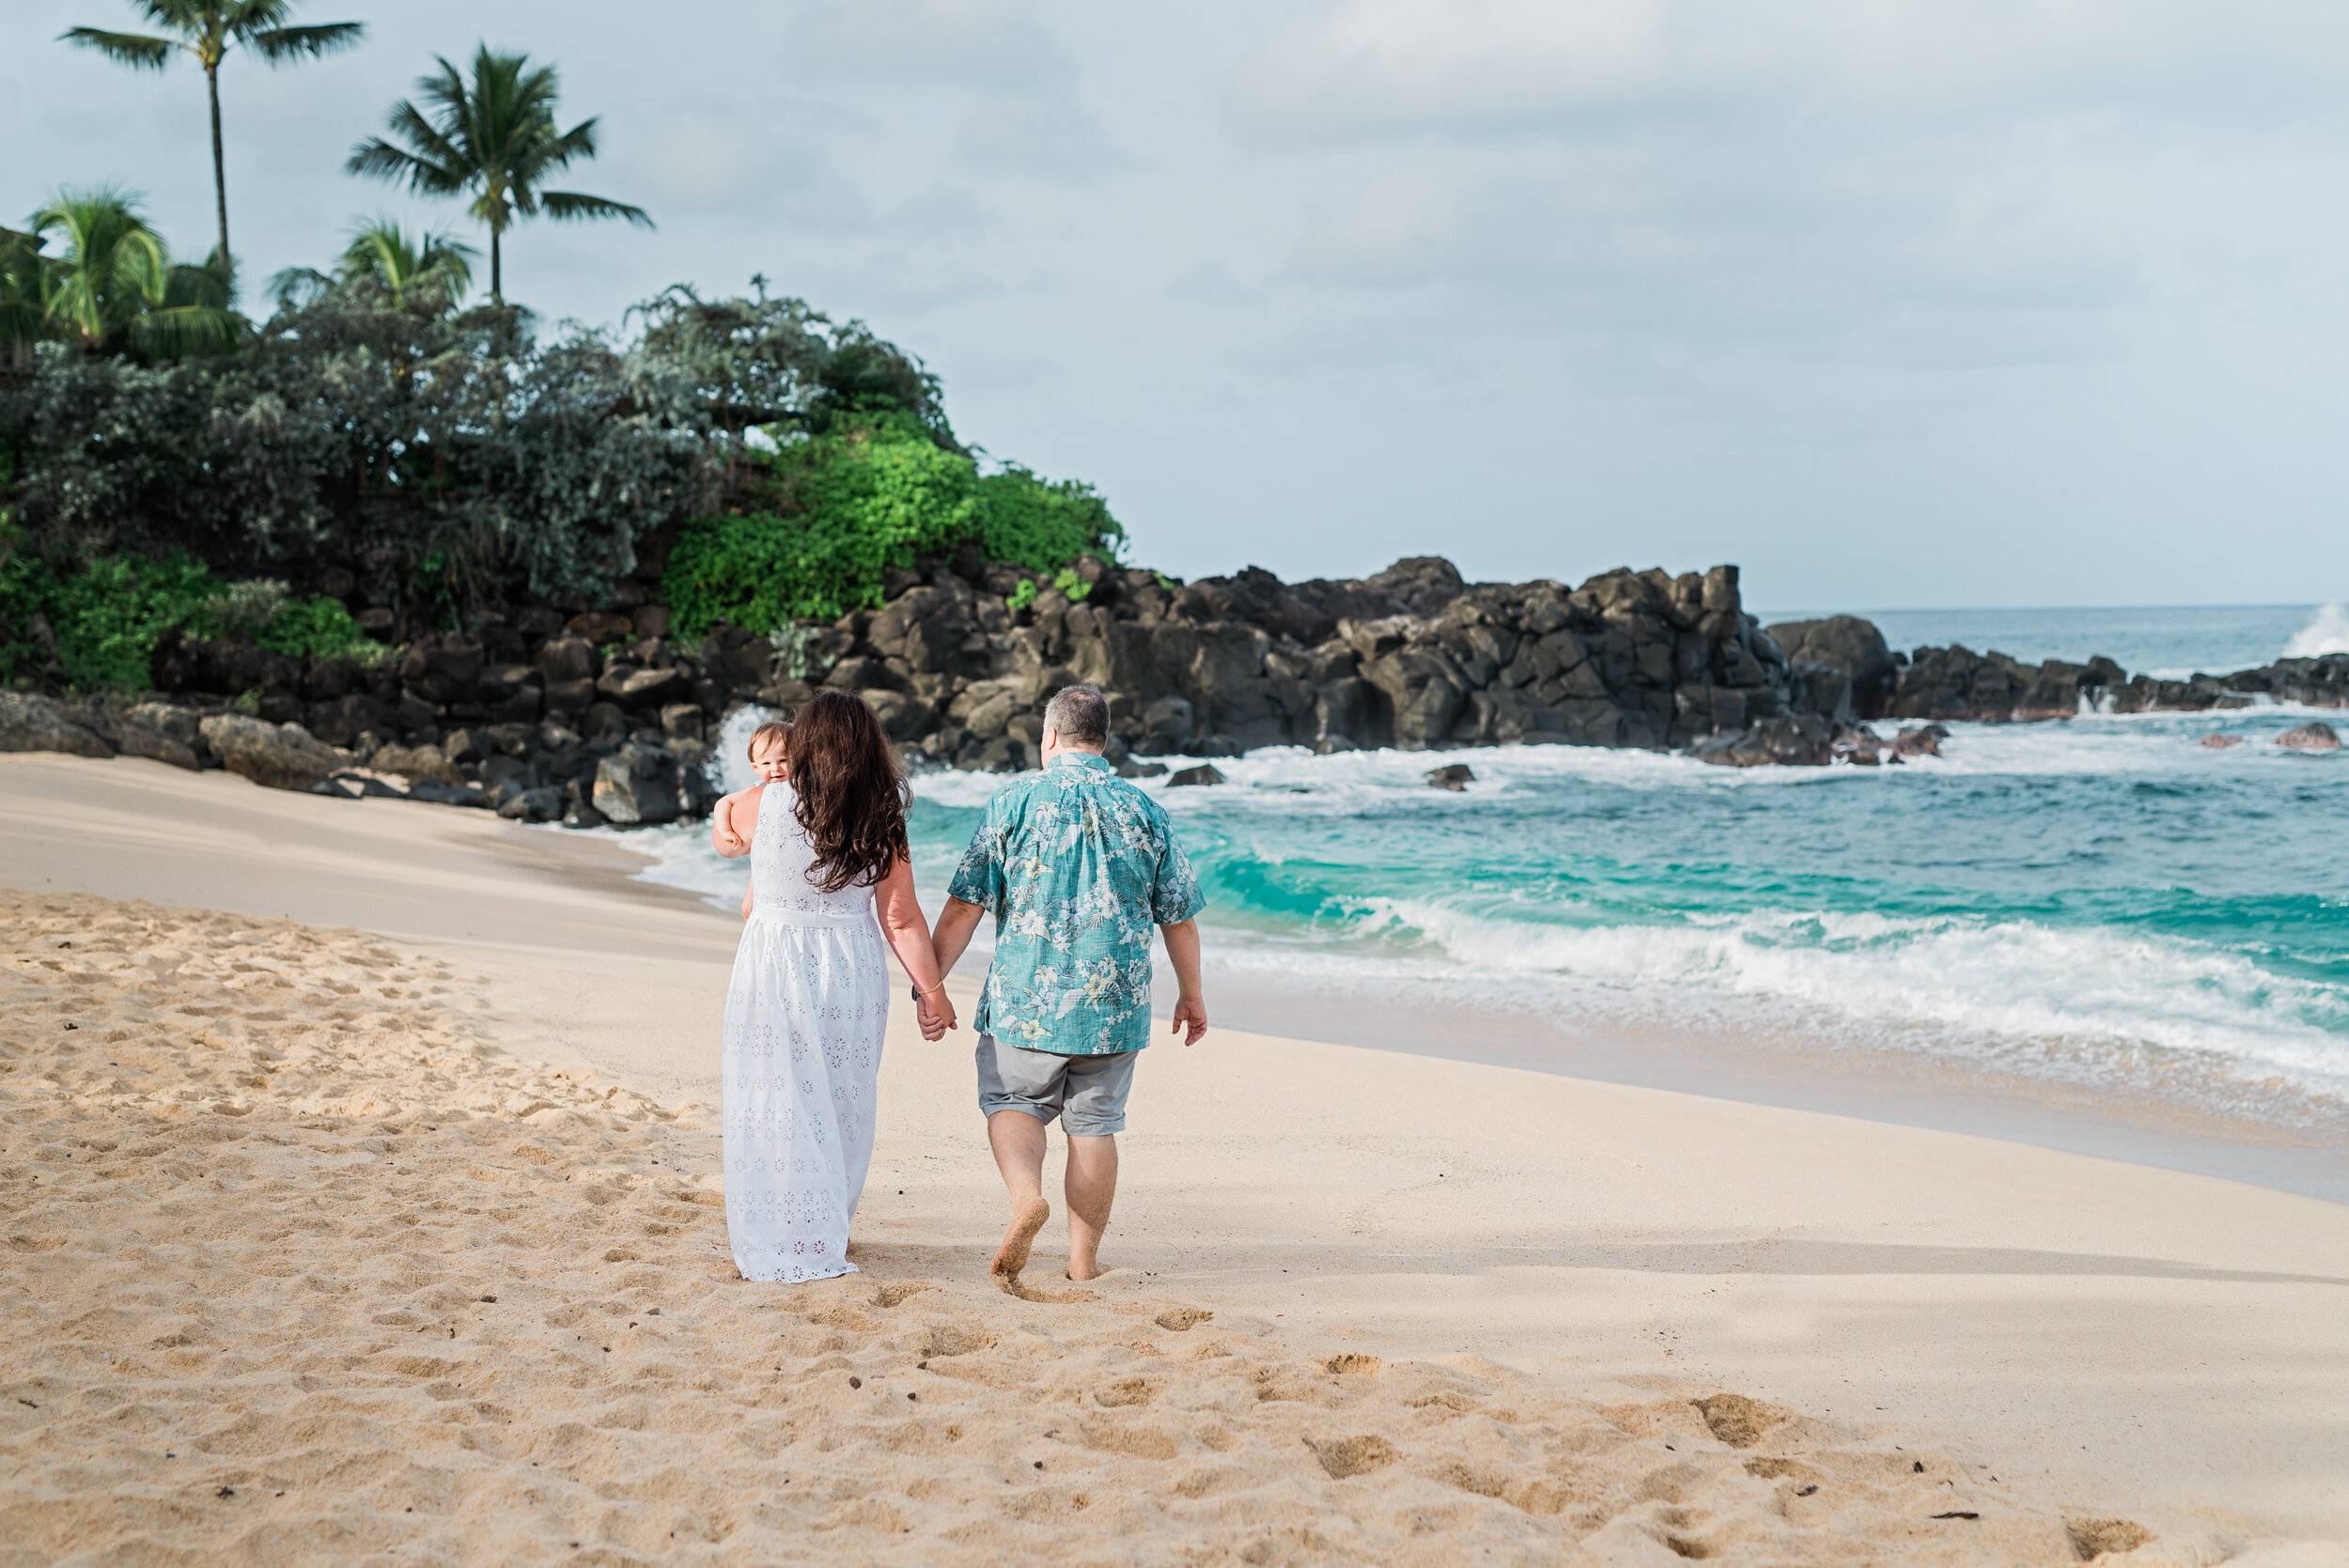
x=2100 y=912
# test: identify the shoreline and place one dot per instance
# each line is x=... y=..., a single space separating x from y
x=2125 y=1341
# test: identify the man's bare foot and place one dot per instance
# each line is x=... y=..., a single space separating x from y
x=1081 y=1273
x=1011 y=1256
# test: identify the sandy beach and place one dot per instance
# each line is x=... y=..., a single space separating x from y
x=363 y=1206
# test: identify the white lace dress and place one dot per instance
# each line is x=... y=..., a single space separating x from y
x=805 y=1013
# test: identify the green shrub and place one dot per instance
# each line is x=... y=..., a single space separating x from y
x=320 y=627
x=107 y=615
x=853 y=506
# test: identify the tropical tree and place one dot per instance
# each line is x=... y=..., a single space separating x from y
x=208 y=30
x=116 y=288
x=406 y=267
x=21 y=295
x=495 y=136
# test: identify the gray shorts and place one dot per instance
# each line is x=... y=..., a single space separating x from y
x=1087 y=1093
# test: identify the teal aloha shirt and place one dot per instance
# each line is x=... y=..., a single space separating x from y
x=1079 y=868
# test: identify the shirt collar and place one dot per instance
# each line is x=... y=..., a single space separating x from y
x=1081 y=759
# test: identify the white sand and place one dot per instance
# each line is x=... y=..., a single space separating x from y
x=1546 y=1272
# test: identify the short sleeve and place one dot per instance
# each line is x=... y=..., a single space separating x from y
x=1175 y=894
x=979 y=880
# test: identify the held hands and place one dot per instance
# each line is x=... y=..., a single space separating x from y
x=1190 y=1014
x=936 y=1013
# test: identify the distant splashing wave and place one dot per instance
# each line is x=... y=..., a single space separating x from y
x=2327 y=633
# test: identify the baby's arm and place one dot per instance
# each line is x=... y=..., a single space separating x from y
x=726 y=836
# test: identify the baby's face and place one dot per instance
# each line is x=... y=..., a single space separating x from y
x=769 y=763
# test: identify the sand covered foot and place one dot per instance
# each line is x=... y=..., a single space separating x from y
x=1011 y=1256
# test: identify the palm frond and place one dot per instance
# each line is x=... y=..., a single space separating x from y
x=379 y=159
x=293 y=288
x=570 y=205
x=279 y=45
x=135 y=50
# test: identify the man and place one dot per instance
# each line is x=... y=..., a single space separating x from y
x=1077 y=866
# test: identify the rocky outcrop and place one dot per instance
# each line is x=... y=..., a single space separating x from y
x=594 y=715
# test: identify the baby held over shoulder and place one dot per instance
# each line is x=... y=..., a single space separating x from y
x=735 y=818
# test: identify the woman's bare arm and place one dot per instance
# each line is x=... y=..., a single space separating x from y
x=909 y=936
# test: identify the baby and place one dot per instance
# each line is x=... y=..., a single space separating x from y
x=734 y=820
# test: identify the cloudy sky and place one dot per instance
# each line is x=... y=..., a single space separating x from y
x=2014 y=302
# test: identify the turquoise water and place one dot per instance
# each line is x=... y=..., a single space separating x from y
x=2103 y=902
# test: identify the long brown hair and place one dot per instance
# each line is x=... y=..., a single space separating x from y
x=851 y=794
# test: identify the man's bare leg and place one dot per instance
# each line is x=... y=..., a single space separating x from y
x=1092 y=1188
x=1018 y=1140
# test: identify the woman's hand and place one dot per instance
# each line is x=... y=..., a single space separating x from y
x=936 y=1013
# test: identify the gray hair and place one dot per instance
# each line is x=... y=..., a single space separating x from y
x=1082 y=715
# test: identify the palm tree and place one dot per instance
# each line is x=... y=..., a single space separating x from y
x=406 y=266
x=207 y=29
x=116 y=288
x=23 y=297
x=495 y=136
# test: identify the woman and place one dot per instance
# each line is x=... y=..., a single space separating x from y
x=809 y=1000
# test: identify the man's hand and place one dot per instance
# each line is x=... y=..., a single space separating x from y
x=1182 y=955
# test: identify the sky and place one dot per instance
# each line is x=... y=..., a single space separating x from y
x=1894 y=305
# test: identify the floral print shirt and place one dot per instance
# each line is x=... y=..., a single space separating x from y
x=1079 y=868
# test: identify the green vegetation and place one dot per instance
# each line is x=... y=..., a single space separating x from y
x=207 y=30
x=114 y=288
x=428 y=268
x=103 y=620
x=495 y=137
x=865 y=499
x=168 y=464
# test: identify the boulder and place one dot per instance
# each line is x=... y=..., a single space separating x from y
x=1454 y=777
x=2312 y=737
x=635 y=689
x=341 y=721
x=1851 y=649
x=280 y=756
x=1168 y=724
x=1923 y=741
x=532 y=806
x=902 y=716
x=1206 y=773
x=30 y=722
x=1799 y=741
x=362 y=783
x=638 y=785
x=580 y=814
x=132 y=736
x=2220 y=741
x=417 y=763
x=439 y=670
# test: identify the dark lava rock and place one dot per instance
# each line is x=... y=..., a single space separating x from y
x=1455 y=776
x=1206 y=773
x=1800 y=742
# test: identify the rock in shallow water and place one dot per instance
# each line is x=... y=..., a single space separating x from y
x=1454 y=777
x=2219 y=740
x=2314 y=737
x=1205 y=773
